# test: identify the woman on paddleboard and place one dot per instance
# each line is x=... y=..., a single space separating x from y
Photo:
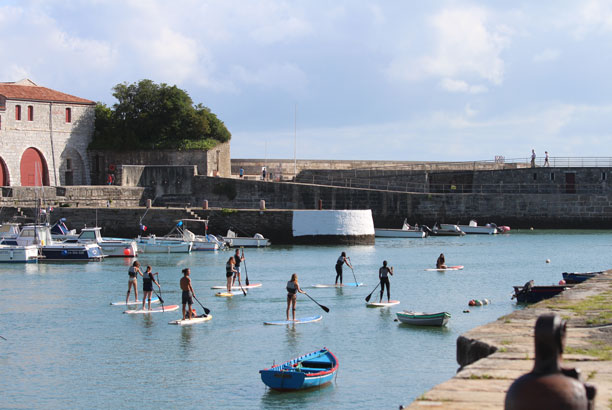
x=441 y=263
x=383 y=273
x=148 y=279
x=292 y=288
x=237 y=260
x=230 y=270
x=341 y=260
x=133 y=273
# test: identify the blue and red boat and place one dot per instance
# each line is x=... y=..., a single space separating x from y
x=310 y=370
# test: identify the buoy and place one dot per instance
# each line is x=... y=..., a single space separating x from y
x=547 y=260
x=531 y=229
x=126 y=252
x=486 y=301
x=466 y=311
x=479 y=302
x=562 y=282
x=472 y=303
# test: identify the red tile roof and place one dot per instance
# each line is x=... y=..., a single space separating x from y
x=13 y=91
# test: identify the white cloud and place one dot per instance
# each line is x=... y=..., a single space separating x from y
x=286 y=76
x=459 y=86
x=594 y=15
x=546 y=56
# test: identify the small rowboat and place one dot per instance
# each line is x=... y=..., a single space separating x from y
x=311 y=370
x=423 y=319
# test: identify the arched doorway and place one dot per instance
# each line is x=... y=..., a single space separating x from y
x=33 y=168
x=4 y=175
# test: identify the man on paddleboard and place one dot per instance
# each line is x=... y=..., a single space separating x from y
x=188 y=293
x=341 y=260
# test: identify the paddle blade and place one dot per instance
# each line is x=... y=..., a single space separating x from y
x=247 y=278
x=206 y=310
x=368 y=297
x=325 y=308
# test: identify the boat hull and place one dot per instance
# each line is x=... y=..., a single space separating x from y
x=398 y=233
x=424 y=319
x=153 y=245
x=577 y=277
x=239 y=242
x=537 y=293
x=77 y=253
x=18 y=254
x=311 y=370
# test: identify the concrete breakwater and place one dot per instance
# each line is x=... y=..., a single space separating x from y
x=494 y=355
x=280 y=226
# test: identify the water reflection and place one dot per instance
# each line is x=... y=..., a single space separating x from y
x=292 y=339
x=316 y=397
x=186 y=336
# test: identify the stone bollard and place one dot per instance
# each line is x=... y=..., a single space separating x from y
x=320 y=204
x=149 y=203
x=262 y=204
x=205 y=204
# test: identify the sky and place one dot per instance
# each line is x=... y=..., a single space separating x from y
x=342 y=79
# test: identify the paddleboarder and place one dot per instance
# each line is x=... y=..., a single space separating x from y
x=133 y=273
x=441 y=263
x=292 y=289
x=188 y=293
x=237 y=260
x=341 y=260
x=384 y=280
x=230 y=271
x=148 y=279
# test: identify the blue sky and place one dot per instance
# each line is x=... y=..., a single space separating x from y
x=380 y=80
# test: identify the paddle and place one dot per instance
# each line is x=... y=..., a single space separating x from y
x=3 y=338
x=206 y=311
x=246 y=274
x=356 y=283
x=325 y=308
x=367 y=299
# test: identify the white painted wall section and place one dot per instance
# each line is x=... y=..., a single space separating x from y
x=328 y=222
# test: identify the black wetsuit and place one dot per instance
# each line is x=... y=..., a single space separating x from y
x=383 y=273
x=339 y=264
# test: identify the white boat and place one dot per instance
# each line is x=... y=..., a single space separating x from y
x=257 y=241
x=110 y=246
x=152 y=244
x=18 y=253
x=40 y=236
x=200 y=242
x=60 y=232
x=448 y=230
x=9 y=230
x=473 y=228
x=407 y=231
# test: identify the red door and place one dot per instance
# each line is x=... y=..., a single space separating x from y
x=33 y=168
x=4 y=176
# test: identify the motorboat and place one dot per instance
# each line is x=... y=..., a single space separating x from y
x=407 y=231
x=19 y=253
x=50 y=250
x=204 y=242
x=60 y=232
x=110 y=246
x=310 y=370
x=450 y=230
x=423 y=319
x=9 y=230
x=474 y=228
x=529 y=293
x=235 y=241
x=579 y=277
x=153 y=244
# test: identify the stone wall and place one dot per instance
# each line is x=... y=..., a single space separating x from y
x=161 y=180
x=73 y=196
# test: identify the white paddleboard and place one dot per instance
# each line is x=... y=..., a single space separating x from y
x=297 y=321
x=458 y=267
x=252 y=285
x=132 y=302
x=195 y=320
x=383 y=304
x=338 y=285
x=228 y=294
x=167 y=308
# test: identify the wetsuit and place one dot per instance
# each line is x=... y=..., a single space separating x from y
x=147 y=282
x=339 y=264
x=384 y=281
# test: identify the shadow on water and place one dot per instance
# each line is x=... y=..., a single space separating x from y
x=273 y=399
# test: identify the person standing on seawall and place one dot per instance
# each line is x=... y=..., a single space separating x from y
x=546 y=163
x=533 y=158
x=341 y=260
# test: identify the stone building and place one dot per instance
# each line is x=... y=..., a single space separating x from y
x=44 y=136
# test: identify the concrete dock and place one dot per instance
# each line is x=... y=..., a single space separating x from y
x=492 y=356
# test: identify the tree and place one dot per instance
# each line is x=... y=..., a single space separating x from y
x=152 y=116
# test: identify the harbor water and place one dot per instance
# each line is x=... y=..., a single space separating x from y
x=66 y=347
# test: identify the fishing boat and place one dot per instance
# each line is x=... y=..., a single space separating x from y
x=450 y=230
x=474 y=228
x=423 y=319
x=60 y=232
x=529 y=293
x=110 y=246
x=578 y=277
x=18 y=253
x=310 y=370
x=235 y=241
x=50 y=250
x=152 y=244
x=407 y=231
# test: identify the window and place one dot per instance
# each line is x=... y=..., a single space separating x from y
x=68 y=115
x=18 y=113
x=30 y=113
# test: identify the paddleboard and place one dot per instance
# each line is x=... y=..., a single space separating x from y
x=458 y=267
x=338 y=285
x=193 y=321
x=132 y=303
x=228 y=294
x=252 y=285
x=383 y=304
x=297 y=321
x=167 y=308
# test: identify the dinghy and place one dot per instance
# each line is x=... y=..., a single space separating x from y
x=310 y=370
x=423 y=319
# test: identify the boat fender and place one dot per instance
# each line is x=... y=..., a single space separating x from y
x=562 y=282
x=486 y=301
x=478 y=302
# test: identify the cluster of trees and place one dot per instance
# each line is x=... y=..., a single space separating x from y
x=152 y=116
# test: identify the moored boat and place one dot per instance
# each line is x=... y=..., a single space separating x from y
x=110 y=246
x=152 y=244
x=474 y=228
x=529 y=293
x=407 y=231
x=578 y=277
x=423 y=319
x=310 y=370
x=199 y=242
x=451 y=230
x=257 y=241
x=18 y=253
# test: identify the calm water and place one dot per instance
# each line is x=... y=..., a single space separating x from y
x=67 y=348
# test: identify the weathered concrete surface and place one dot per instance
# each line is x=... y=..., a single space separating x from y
x=483 y=383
